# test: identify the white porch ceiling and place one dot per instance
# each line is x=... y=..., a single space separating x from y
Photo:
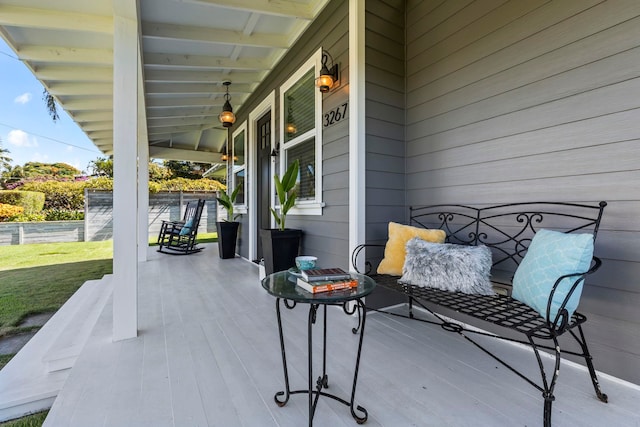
x=189 y=47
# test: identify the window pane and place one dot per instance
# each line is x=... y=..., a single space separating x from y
x=239 y=180
x=238 y=149
x=306 y=153
x=299 y=107
x=238 y=166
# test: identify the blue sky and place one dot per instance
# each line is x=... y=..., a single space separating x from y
x=26 y=129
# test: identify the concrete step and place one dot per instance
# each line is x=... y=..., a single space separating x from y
x=67 y=346
x=26 y=383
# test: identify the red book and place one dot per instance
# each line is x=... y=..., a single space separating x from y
x=326 y=286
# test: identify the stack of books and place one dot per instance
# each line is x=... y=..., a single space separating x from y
x=325 y=280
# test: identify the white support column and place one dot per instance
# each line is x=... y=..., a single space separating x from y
x=357 y=128
x=143 y=199
x=125 y=174
x=143 y=171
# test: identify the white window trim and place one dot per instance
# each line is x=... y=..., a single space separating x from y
x=305 y=207
x=239 y=208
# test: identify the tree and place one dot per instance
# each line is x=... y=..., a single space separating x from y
x=5 y=160
x=190 y=170
x=49 y=170
x=52 y=108
x=158 y=172
x=102 y=166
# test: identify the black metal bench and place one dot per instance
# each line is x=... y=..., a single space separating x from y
x=507 y=230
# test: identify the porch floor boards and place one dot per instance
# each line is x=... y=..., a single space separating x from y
x=208 y=354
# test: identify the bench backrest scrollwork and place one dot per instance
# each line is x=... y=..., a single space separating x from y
x=507 y=229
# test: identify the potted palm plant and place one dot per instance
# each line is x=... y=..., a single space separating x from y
x=280 y=245
x=228 y=229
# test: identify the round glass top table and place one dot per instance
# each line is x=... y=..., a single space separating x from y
x=282 y=285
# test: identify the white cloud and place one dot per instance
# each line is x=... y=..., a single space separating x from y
x=39 y=157
x=20 y=138
x=23 y=99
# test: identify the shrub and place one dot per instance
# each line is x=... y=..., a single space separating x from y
x=184 y=184
x=31 y=201
x=8 y=211
x=67 y=195
x=35 y=217
x=60 y=215
x=100 y=183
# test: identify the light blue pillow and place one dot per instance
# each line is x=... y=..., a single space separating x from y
x=552 y=254
x=186 y=228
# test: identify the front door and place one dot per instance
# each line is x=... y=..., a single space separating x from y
x=264 y=176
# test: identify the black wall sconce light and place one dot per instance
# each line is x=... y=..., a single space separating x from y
x=328 y=75
x=227 y=118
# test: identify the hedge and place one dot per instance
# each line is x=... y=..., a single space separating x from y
x=31 y=201
x=60 y=194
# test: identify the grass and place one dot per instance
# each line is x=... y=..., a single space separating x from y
x=40 y=278
x=35 y=420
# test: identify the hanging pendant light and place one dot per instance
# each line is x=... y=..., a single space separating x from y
x=227 y=118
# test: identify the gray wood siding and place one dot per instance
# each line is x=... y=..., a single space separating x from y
x=385 y=116
x=513 y=101
x=325 y=236
x=385 y=126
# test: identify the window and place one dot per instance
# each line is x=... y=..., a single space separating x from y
x=301 y=134
x=239 y=166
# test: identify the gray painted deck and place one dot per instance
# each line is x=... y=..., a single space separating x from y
x=208 y=355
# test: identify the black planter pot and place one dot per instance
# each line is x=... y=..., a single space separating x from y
x=227 y=237
x=280 y=248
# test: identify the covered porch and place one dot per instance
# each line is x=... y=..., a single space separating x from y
x=207 y=354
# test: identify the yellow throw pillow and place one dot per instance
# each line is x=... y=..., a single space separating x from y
x=395 y=251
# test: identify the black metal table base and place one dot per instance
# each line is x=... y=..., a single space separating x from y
x=315 y=388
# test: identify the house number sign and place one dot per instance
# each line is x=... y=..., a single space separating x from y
x=334 y=116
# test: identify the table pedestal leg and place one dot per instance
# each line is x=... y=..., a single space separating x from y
x=315 y=391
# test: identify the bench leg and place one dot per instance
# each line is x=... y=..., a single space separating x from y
x=548 y=386
x=410 y=307
x=589 y=360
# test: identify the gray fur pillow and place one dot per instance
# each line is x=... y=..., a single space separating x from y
x=448 y=267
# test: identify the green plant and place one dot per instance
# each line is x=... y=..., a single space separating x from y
x=9 y=211
x=31 y=201
x=65 y=195
x=36 y=217
x=227 y=202
x=286 y=193
x=63 y=215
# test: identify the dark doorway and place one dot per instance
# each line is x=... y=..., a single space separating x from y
x=264 y=176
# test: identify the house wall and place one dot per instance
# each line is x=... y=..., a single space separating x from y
x=511 y=101
x=325 y=236
x=385 y=127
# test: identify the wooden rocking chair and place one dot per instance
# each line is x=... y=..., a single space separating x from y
x=179 y=237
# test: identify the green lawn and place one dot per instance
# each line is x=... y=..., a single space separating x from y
x=40 y=278
x=35 y=420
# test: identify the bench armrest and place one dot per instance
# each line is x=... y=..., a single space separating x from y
x=561 y=319
x=356 y=253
